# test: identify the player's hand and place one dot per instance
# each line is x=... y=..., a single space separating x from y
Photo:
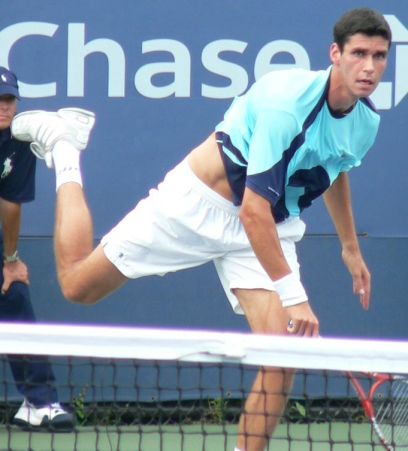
x=14 y=272
x=302 y=321
x=361 y=276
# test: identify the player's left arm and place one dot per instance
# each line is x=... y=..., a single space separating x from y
x=15 y=270
x=338 y=203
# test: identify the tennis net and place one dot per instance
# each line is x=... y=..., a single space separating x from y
x=182 y=390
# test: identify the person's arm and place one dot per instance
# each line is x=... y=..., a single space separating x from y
x=338 y=203
x=258 y=222
x=260 y=227
x=15 y=269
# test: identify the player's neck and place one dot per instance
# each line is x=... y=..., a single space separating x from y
x=339 y=99
x=341 y=112
x=340 y=103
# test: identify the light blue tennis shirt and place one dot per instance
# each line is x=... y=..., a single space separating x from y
x=281 y=140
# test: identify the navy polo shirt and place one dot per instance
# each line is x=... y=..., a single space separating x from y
x=17 y=169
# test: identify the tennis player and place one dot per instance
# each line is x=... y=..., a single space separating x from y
x=236 y=199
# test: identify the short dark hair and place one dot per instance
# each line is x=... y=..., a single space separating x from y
x=362 y=20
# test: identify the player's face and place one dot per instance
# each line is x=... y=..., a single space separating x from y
x=361 y=63
x=8 y=108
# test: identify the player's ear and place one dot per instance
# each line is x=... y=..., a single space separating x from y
x=334 y=53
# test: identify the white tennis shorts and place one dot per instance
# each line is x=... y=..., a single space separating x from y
x=183 y=224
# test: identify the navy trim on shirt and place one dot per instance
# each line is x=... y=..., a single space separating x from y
x=271 y=183
x=236 y=174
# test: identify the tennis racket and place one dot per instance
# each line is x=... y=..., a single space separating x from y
x=386 y=406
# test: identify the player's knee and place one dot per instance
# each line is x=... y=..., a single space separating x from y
x=79 y=298
x=76 y=294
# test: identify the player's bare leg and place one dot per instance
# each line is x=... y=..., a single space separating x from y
x=267 y=400
x=84 y=275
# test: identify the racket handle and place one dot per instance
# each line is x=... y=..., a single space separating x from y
x=368 y=408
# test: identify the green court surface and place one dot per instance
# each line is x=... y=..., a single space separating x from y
x=311 y=437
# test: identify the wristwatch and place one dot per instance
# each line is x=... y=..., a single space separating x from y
x=11 y=258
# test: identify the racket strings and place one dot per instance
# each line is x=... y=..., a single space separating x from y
x=392 y=413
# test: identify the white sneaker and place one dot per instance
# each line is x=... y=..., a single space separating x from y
x=44 y=128
x=52 y=417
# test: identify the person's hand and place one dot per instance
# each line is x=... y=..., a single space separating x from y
x=14 y=272
x=302 y=321
x=360 y=275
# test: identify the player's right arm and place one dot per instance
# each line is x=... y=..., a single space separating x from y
x=260 y=227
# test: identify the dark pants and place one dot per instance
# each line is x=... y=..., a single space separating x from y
x=33 y=375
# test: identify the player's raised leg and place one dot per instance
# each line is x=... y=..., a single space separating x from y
x=85 y=275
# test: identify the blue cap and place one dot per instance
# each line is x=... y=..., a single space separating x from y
x=8 y=83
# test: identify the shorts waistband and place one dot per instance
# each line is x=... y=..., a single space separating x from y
x=206 y=192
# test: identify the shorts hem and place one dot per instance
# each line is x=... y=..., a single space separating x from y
x=268 y=286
